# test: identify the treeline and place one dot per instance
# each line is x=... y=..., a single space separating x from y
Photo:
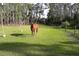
x=11 y=13
x=63 y=14
x=60 y=14
x=20 y=13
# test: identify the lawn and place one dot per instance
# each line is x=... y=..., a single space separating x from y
x=71 y=31
x=49 y=41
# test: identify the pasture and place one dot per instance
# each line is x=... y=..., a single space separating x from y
x=49 y=41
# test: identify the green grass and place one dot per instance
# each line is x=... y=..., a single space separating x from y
x=49 y=41
x=71 y=31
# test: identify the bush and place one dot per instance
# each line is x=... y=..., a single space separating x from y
x=64 y=24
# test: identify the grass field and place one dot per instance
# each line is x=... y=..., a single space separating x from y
x=49 y=41
x=71 y=31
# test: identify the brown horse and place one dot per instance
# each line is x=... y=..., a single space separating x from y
x=34 y=28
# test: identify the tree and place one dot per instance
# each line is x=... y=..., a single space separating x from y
x=65 y=25
x=60 y=12
x=38 y=10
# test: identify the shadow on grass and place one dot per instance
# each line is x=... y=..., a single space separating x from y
x=20 y=35
x=27 y=49
x=71 y=42
x=71 y=34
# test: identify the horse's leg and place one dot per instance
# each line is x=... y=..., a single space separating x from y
x=32 y=32
x=37 y=30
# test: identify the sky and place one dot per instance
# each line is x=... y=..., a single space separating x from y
x=45 y=13
x=46 y=10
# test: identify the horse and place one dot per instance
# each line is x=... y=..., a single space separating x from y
x=34 y=28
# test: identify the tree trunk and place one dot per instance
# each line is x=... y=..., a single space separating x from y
x=65 y=28
x=13 y=19
x=75 y=30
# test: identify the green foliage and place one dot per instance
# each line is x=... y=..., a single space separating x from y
x=59 y=13
x=64 y=24
x=12 y=12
